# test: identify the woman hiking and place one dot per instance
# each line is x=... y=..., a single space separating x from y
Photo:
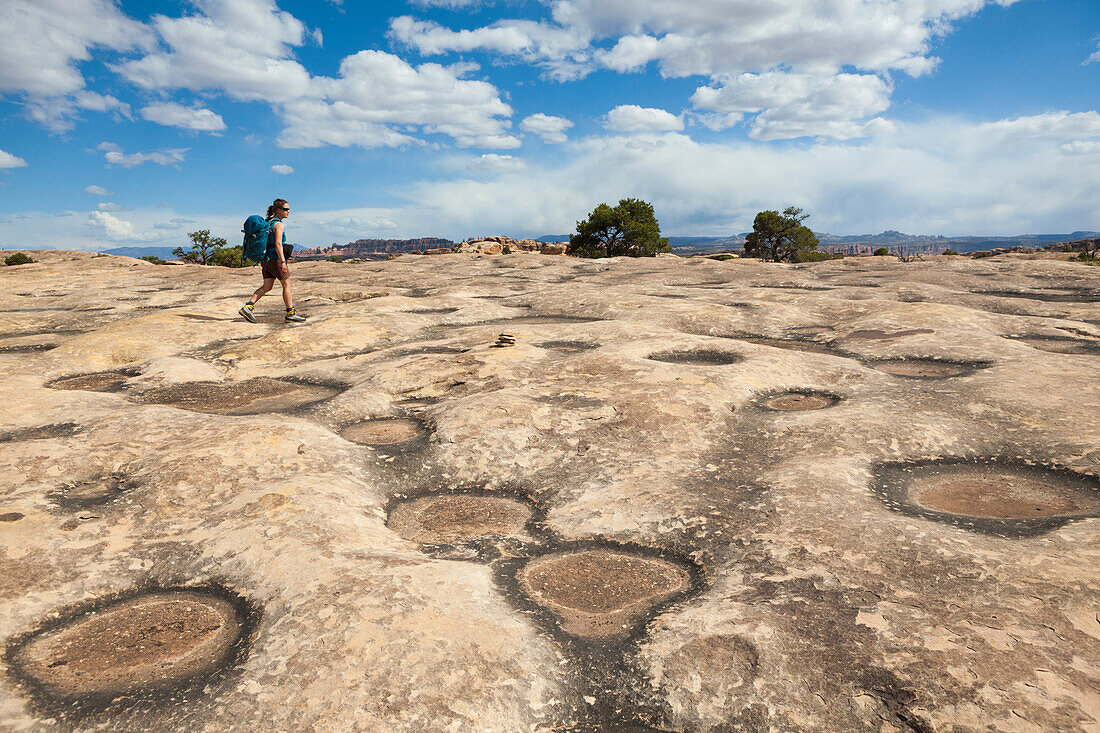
x=274 y=266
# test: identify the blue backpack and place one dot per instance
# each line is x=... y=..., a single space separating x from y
x=257 y=233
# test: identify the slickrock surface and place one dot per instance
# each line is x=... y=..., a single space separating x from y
x=857 y=495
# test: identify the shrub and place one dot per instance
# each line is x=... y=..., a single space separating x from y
x=630 y=229
x=723 y=258
x=336 y=258
x=229 y=257
x=981 y=255
x=882 y=252
x=813 y=255
x=202 y=249
x=152 y=258
x=18 y=259
x=781 y=237
x=1089 y=258
x=506 y=251
x=950 y=252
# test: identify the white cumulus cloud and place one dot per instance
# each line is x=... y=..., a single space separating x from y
x=632 y=118
x=282 y=170
x=172 y=114
x=548 y=127
x=45 y=40
x=496 y=163
x=790 y=105
x=115 y=157
x=116 y=229
x=7 y=161
x=376 y=90
x=96 y=190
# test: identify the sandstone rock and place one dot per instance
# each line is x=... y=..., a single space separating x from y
x=839 y=496
x=554 y=248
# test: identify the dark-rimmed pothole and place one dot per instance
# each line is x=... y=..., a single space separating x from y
x=40 y=432
x=142 y=644
x=11 y=516
x=1066 y=295
x=393 y=433
x=799 y=400
x=876 y=334
x=992 y=495
x=30 y=345
x=600 y=592
x=697 y=357
x=109 y=381
x=87 y=493
x=432 y=311
x=249 y=397
x=1060 y=344
x=568 y=347
x=460 y=517
x=927 y=368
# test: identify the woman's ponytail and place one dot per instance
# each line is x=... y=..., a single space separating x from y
x=275 y=206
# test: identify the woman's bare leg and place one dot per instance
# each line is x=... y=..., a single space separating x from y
x=261 y=291
x=288 y=299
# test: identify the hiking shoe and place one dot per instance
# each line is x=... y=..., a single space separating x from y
x=246 y=312
x=292 y=317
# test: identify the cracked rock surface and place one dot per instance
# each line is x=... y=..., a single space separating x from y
x=686 y=452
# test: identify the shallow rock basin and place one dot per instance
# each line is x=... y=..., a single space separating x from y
x=251 y=397
x=387 y=431
x=147 y=642
x=601 y=593
x=451 y=518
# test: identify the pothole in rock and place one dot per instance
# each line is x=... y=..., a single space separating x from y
x=432 y=311
x=799 y=400
x=602 y=593
x=1059 y=344
x=91 y=492
x=113 y=381
x=425 y=350
x=41 y=432
x=28 y=345
x=158 y=641
x=575 y=401
x=927 y=368
x=1066 y=296
x=452 y=518
x=991 y=495
x=795 y=343
x=250 y=397
x=874 y=334
x=569 y=347
x=11 y=516
x=537 y=320
x=699 y=357
x=394 y=433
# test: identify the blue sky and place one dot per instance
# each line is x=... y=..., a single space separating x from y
x=126 y=123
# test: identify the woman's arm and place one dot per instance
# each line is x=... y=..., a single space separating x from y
x=279 y=253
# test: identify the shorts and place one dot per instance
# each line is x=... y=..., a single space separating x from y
x=270 y=269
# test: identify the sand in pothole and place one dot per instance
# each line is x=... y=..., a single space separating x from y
x=601 y=594
x=385 y=431
x=450 y=518
x=999 y=493
x=703 y=357
x=799 y=401
x=114 y=381
x=145 y=643
x=926 y=368
x=1060 y=344
x=90 y=493
x=250 y=397
x=41 y=432
x=569 y=347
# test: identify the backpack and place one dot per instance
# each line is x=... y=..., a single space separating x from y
x=257 y=233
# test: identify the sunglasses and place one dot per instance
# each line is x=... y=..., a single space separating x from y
x=286 y=209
